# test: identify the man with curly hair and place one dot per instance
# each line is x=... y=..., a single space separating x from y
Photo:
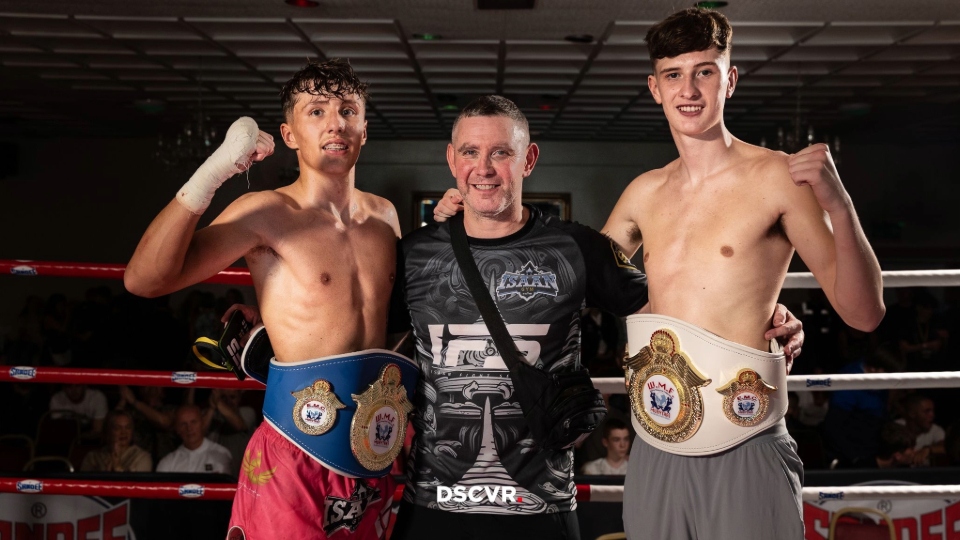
x=321 y=255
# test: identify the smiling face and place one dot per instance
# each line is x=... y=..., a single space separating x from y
x=326 y=131
x=490 y=156
x=692 y=88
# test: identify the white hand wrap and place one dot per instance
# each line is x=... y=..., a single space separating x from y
x=231 y=158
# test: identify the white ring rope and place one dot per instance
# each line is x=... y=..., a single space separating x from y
x=814 y=383
x=614 y=493
x=895 y=278
x=866 y=493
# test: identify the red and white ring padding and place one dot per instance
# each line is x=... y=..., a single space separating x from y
x=585 y=492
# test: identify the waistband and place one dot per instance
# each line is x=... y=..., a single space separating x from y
x=695 y=393
x=348 y=412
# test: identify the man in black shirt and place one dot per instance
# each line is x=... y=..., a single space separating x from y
x=474 y=467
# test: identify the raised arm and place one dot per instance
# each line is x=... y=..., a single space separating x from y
x=621 y=226
x=821 y=222
x=171 y=254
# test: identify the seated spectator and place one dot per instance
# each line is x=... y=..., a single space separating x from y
x=228 y=423
x=919 y=415
x=89 y=404
x=592 y=448
x=197 y=453
x=793 y=413
x=895 y=450
x=153 y=419
x=851 y=429
x=616 y=439
x=813 y=406
x=118 y=454
x=922 y=337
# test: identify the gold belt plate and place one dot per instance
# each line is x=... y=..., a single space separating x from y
x=664 y=389
x=380 y=424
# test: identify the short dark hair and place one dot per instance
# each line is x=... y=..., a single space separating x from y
x=611 y=424
x=690 y=30
x=333 y=78
x=894 y=438
x=493 y=106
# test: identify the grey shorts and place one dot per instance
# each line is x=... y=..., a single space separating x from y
x=751 y=491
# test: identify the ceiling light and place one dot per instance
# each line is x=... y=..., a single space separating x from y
x=579 y=38
x=302 y=3
x=505 y=4
x=710 y=5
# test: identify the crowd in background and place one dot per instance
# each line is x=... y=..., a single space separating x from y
x=147 y=429
x=118 y=428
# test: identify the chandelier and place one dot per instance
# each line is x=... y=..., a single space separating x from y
x=799 y=134
x=191 y=145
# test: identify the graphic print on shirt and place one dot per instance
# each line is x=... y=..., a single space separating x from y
x=471 y=429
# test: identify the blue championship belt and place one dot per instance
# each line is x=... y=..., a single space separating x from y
x=348 y=412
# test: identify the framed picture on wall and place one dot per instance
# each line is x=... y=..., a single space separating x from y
x=551 y=204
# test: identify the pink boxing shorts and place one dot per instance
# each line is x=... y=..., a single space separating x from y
x=284 y=493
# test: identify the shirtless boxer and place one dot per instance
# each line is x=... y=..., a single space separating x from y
x=719 y=227
x=321 y=254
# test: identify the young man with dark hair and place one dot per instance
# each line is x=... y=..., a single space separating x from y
x=616 y=439
x=321 y=255
x=718 y=227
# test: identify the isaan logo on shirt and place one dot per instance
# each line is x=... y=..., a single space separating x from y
x=528 y=283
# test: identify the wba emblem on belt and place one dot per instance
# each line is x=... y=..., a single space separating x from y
x=746 y=399
x=316 y=408
x=665 y=389
x=380 y=423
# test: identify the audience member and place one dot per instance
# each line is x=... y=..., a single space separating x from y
x=852 y=425
x=919 y=413
x=813 y=405
x=229 y=424
x=87 y=403
x=118 y=453
x=153 y=419
x=197 y=453
x=922 y=336
x=616 y=439
x=894 y=450
x=55 y=327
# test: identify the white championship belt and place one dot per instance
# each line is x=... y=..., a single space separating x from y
x=693 y=393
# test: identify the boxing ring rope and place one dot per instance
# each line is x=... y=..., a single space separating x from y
x=230 y=276
x=606 y=385
x=241 y=276
x=585 y=492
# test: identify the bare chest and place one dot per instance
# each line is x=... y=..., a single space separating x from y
x=316 y=260
x=715 y=232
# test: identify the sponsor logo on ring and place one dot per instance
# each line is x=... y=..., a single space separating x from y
x=29 y=486
x=23 y=270
x=191 y=491
x=838 y=496
x=819 y=382
x=23 y=372
x=184 y=377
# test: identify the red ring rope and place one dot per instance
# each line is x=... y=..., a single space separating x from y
x=197 y=379
x=230 y=276
x=159 y=490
